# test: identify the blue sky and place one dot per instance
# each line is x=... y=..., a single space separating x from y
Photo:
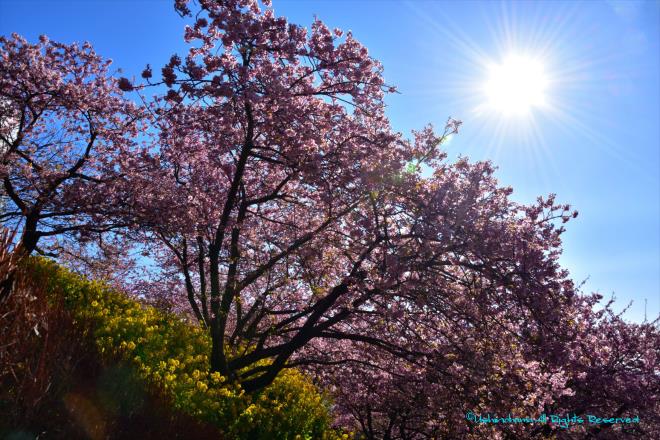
x=596 y=143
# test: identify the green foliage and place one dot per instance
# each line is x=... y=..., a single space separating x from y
x=171 y=354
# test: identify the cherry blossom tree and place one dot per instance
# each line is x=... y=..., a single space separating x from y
x=274 y=147
x=65 y=132
x=293 y=212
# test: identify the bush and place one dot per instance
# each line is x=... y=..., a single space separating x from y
x=40 y=350
x=54 y=384
x=170 y=355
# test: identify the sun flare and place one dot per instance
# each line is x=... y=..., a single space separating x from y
x=516 y=85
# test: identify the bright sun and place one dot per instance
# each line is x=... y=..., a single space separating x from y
x=516 y=86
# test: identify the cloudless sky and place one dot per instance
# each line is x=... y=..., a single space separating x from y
x=596 y=143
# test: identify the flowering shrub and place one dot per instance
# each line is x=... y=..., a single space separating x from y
x=171 y=354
